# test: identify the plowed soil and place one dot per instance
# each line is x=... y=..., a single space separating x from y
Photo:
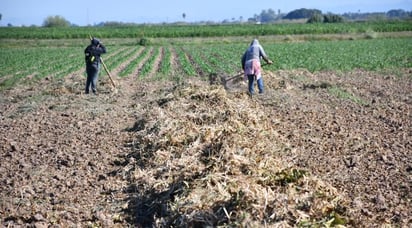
x=68 y=159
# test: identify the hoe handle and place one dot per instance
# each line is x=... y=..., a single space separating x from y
x=107 y=71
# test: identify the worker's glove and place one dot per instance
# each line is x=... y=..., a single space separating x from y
x=269 y=62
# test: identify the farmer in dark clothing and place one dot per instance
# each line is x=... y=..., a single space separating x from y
x=92 y=57
x=251 y=65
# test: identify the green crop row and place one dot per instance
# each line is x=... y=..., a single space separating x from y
x=131 y=67
x=198 y=58
x=169 y=31
x=165 y=64
x=21 y=63
x=114 y=59
x=149 y=64
x=185 y=63
x=344 y=55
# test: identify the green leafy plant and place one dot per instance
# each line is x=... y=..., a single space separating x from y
x=343 y=94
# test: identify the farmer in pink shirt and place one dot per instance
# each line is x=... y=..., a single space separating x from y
x=251 y=65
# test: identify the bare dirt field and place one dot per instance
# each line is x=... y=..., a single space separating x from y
x=317 y=149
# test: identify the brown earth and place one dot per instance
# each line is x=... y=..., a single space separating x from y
x=316 y=149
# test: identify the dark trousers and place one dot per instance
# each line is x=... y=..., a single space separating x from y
x=92 y=75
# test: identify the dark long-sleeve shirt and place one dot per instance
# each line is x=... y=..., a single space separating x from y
x=92 y=53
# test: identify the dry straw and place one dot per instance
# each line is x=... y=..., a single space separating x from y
x=212 y=155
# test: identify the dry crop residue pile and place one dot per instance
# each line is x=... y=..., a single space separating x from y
x=315 y=149
x=206 y=157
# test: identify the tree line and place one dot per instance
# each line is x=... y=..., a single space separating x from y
x=315 y=15
x=266 y=16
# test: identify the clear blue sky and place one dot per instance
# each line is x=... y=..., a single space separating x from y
x=83 y=12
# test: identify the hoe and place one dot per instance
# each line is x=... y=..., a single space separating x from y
x=224 y=79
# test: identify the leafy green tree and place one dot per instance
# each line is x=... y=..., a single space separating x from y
x=332 y=18
x=327 y=18
x=267 y=15
x=302 y=13
x=56 y=21
x=315 y=18
x=397 y=13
